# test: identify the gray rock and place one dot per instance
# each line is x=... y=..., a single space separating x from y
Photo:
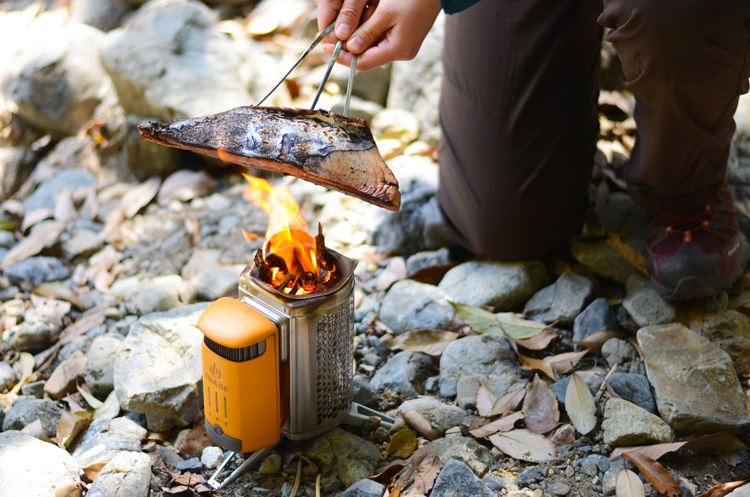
x=394 y=271
x=696 y=387
x=416 y=84
x=609 y=480
x=81 y=243
x=16 y=163
x=158 y=294
x=532 y=474
x=99 y=371
x=593 y=379
x=410 y=305
x=192 y=465
x=448 y=386
x=7 y=375
x=634 y=387
x=487 y=358
x=66 y=376
x=405 y=372
x=364 y=488
x=496 y=483
x=603 y=260
x=466 y=392
x=144 y=158
x=597 y=316
x=359 y=108
x=7 y=239
x=440 y=416
x=105 y=438
x=560 y=489
x=167 y=47
x=622 y=353
x=457 y=478
x=628 y=424
x=34 y=389
x=562 y=301
x=127 y=475
x=32 y=468
x=363 y=393
x=503 y=285
x=435 y=232
x=644 y=304
x=743 y=491
x=36 y=270
x=57 y=81
x=102 y=14
x=426 y=259
x=25 y=410
x=217 y=282
x=337 y=449
x=594 y=464
x=158 y=369
x=271 y=465
x=464 y=449
x=730 y=330
x=212 y=456
x=170 y=457
x=371 y=86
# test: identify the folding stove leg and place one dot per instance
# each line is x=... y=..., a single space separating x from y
x=358 y=414
x=255 y=457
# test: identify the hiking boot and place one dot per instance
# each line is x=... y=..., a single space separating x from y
x=696 y=254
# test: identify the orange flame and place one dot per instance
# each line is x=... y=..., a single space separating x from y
x=286 y=236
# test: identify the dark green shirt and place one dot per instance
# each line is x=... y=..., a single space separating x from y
x=453 y=6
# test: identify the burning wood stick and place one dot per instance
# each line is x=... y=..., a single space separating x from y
x=317 y=146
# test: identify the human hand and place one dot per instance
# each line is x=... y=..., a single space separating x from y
x=389 y=30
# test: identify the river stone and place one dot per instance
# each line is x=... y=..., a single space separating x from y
x=364 y=488
x=634 y=387
x=158 y=368
x=37 y=270
x=16 y=163
x=25 y=410
x=597 y=316
x=503 y=285
x=168 y=47
x=487 y=358
x=622 y=353
x=562 y=301
x=7 y=375
x=128 y=474
x=410 y=305
x=99 y=370
x=644 y=304
x=56 y=81
x=144 y=158
x=33 y=334
x=212 y=284
x=32 y=468
x=44 y=195
x=441 y=416
x=696 y=387
x=406 y=372
x=102 y=14
x=464 y=449
x=456 y=478
x=730 y=330
x=159 y=294
x=603 y=260
x=627 y=424
x=105 y=438
x=337 y=448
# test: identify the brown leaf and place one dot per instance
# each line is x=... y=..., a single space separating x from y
x=503 y=424
x=718 y=442
x=508 y=402
x=723 y=489
x=433 y=274
x=185 y=185
x=485 y=400
x=425 y=476
x=403 y=444
x=430 y=342
x=178 y=491
x=52 y=310
x=92 y=470
x=656 y=474
x=189 y=479
x=43 y=235
x=419 y=423
x=596 y=340
x=541 y=400
x=36 y=216
x=74 y=489
x=69 y=426
x=196 y=441
x=629 y=485
x=634 y=258
x=689 y=313
x=111 y=232
x=538 y=342
x=540 y=424
x=193 y=229
x=580 y=405
x=139 y=197
x=530 y=364
x=59 y=290
x=562 y=363
x=388 y=474
x=524 y=445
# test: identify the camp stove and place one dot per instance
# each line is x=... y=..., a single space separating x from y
x=277 y=364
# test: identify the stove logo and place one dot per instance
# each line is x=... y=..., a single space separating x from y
x=215 y=371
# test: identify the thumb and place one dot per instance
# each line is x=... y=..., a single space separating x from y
x=369 y=32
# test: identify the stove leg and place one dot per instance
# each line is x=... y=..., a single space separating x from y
x=358 y=414
x=212 y=482
x=251 y=461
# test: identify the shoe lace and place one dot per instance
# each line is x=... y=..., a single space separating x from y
x=685 y=224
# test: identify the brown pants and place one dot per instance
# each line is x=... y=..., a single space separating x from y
x=519 y=121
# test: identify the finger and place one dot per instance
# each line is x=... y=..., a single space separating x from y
x=345 y=58
x=349 y=18
x=369 y=32
x=327 y=12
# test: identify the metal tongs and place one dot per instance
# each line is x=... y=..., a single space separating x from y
x=336 y=51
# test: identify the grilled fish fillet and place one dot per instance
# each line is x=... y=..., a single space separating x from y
x=317 y=146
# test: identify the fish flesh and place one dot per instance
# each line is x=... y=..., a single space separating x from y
x=314 y=145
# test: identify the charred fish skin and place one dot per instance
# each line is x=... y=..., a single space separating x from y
x=317 y=146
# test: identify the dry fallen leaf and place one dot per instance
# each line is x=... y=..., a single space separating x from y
x=629 y=485
x=595 y=341
x=538 y=342
x=540 y=424
x=69 y=426
x=718 y=442
x=27 y=363
x=508 y=402
x=425 y=476
x=74 y=489
x=580 y=405
x=530 y=364
x=111 y=232
x=504 y=323
x=90 y=399
x=503 y=424
x=430 y=342
x=59 y=290
x=562 y=363
x=43 y=235
x=403 y=444
x=723 y=489
x=524 y=445
x=689 y=313
x=485 y=400
x=185 y=185
x=656 y=474
x=36 y=216
x=139 y=197
x=631 y=255
x=388 y=474
x=65 y=209
x=92 y=470
x=420 y=423
x=541 y=400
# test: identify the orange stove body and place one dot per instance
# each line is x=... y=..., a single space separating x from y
x=241 y=348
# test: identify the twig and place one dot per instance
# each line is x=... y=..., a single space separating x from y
x=297 y=480
x=317 y=486
x=603 y=386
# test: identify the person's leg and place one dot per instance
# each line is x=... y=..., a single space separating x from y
x=519 y=123
x=686 y=62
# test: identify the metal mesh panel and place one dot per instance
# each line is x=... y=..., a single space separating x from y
x=335 y=335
